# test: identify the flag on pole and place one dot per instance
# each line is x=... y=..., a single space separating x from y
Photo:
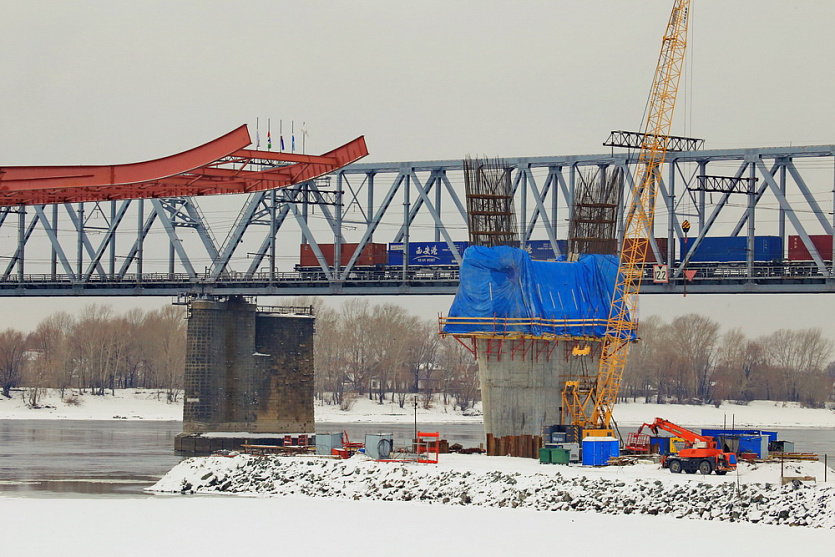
x=281 y=134
x=269 y=142
x=292 y=136
x=257 y=136
x=282 y=142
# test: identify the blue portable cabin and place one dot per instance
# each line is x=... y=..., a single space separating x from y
x=754 y=441
x=598 y=450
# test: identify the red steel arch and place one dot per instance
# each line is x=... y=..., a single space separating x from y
x=223 y=165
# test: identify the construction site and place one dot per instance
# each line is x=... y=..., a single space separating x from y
x=551 y=337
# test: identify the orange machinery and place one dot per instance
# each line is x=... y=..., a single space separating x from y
x=701 y=454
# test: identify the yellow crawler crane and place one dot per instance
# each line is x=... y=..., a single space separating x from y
x=600 y=396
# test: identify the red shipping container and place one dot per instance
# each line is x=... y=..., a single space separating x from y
x=798 y=251
x=373 y=254
x=662 y=247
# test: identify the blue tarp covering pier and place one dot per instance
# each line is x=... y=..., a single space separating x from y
x=503 y=291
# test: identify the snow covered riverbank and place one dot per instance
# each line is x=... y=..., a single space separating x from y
x=754 y=495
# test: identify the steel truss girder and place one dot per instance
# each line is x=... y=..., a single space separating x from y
x=114 y=247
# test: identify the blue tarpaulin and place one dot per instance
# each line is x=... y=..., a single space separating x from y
x=502 y=290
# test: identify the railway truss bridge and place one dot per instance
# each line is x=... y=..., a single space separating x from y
x=167 y=233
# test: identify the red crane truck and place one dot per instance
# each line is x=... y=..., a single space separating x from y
x=701 y=454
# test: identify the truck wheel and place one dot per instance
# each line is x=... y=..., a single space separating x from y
x=675 y=466
x=705 y=467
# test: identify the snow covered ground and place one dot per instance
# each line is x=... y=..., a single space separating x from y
x=125 y=404
x=177 y=525
x=275 y=517
x=134 y=404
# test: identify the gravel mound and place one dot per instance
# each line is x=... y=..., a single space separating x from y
x=795 y=504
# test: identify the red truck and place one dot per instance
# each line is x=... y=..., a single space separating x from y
x=701 y=454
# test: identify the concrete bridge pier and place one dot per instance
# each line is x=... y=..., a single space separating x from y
x=248 y=371
x=521 y=386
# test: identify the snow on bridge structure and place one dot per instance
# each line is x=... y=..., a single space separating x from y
x=153 y=228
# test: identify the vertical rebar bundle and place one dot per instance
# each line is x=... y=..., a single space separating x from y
x=593 y=226
x=490 y=216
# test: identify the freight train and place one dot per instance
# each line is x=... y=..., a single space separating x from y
x=727 y=255
x=421 y=254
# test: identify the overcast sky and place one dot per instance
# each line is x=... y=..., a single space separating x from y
x=116 y=81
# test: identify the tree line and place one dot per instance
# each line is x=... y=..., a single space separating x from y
x=383 y=352
x=690 y=359
x=97 y=351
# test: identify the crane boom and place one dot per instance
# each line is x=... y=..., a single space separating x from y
x=622 y=322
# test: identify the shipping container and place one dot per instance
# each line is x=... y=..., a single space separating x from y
x=541 y=250
x=754 y=444
x=716 y=433
x=426 y=254
x=733 y=249
x=372 y=255
x=798 y=251
x=650 y=255
x=598 y=450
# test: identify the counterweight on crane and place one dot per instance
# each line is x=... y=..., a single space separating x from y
x=591 y=407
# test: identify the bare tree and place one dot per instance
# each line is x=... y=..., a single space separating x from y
x=799 y=357
x=459 y=380
x=51 y=341
x=12 y=359
x=691 y=345
x=391 y=334
x=328 y=357
x=640 y=377
x=99 y=344
x=741 y=367
x=163 y=349
x=356 y=337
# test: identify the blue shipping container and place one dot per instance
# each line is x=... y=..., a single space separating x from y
x=715 y=433
x=734 y=249
x=541 y=250
x=755 y=444
x=598 y=450
x=425 y=254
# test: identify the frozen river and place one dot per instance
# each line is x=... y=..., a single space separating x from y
x=77 y=458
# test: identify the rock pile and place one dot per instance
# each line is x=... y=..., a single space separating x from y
x=795 y=504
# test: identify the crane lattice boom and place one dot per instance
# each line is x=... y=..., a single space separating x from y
x=639 y=223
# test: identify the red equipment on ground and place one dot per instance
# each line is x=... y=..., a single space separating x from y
x=701 y=454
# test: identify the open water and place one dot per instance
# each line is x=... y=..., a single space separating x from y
x=88 y=458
